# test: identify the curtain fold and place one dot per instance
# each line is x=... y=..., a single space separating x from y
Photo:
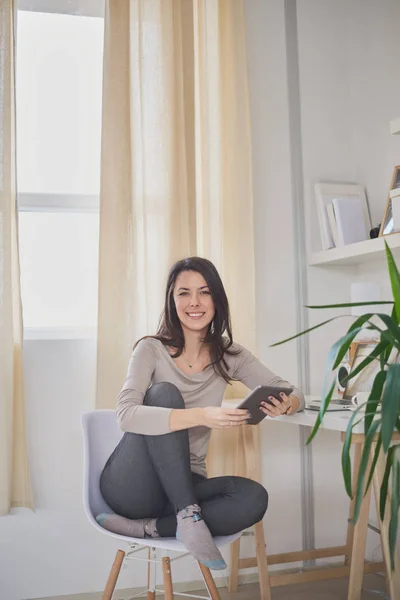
x=15 y=489
x=176 y=170
x=146 y=199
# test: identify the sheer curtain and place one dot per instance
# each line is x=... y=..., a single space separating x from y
x=176 y=168
x=15 y=487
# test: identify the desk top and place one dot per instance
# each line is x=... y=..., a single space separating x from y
x=335 y=421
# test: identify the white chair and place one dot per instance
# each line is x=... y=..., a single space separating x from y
x=101 y=435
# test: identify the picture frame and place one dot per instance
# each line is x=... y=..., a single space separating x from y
x=325 y=193
x=388 y=224
x=364 y=380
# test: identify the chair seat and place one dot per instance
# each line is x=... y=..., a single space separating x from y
x=164 y=543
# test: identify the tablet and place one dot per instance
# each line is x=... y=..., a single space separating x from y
x=258 y=395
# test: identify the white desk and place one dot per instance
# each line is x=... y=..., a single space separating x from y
x=336 y=421
x=354 y=565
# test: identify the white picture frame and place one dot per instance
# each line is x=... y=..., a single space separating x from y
x=325 y=193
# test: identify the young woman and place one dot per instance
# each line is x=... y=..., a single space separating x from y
x=155 y=481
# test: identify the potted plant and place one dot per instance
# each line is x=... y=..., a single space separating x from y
x=381 y=412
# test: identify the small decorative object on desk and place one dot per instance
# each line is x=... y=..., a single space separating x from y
x=348 y=387
x=391 y=217
x=343 y=214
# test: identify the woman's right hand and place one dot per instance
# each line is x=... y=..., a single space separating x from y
x=218 y=417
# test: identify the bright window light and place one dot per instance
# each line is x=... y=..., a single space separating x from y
x=59 y=261
x=59 y=90
x=59 y=95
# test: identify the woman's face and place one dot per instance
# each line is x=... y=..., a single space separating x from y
x=193 y=301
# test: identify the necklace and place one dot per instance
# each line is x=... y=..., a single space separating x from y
x=195 y=361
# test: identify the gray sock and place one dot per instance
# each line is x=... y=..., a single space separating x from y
x=139 y=528
x=194 y=533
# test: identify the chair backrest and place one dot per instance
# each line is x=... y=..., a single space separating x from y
x=101 y=435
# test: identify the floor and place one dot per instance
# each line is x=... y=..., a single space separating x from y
x=334 y=589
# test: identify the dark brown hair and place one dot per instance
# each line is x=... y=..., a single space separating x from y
x=219 y=333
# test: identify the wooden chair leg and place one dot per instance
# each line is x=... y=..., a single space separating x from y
x=168 y=590
x=113 y=576
x=210 y=583
x=234 y=566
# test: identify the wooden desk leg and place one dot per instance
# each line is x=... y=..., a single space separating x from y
x=253 y=468
x=251 y=438
x=358 y=550
x=262 y=563
x=234 y=566
x=350 y=526
x=392 y=577
x=240 y=470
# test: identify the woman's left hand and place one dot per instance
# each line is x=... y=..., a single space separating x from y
x=277 y=407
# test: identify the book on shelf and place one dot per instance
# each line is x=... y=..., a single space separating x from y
x=346 y=221
x=330 y=211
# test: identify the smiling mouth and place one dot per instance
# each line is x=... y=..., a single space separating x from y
x=195 y=315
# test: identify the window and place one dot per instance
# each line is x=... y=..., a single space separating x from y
x=59 y=91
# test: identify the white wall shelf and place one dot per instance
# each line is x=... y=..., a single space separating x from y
x=354 y=254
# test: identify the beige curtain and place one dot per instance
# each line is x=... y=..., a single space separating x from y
x=15 y=487
x=224 y=193
x=176 y=169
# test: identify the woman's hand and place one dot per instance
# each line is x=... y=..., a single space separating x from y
x=277 y=408
x=216 y=417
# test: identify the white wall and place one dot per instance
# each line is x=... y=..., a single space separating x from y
x=274 y=258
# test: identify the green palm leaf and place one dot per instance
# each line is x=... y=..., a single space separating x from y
x=324 y=405
x=349 y=304
x=354 y=329
x=374 y=461
x=374 y=398
x=346 y=462
x=394 y=279
x=395 y=504
x=360 y=490
x=390 y=404
x=379 y=348
x=392 y=326
x=293 y=337
x=385 y=483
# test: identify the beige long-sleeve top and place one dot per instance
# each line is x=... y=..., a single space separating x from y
x=152 y=363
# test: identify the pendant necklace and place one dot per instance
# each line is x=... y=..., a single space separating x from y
x=195 y=361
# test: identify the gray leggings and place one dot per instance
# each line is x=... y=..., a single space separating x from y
x=149 y=476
